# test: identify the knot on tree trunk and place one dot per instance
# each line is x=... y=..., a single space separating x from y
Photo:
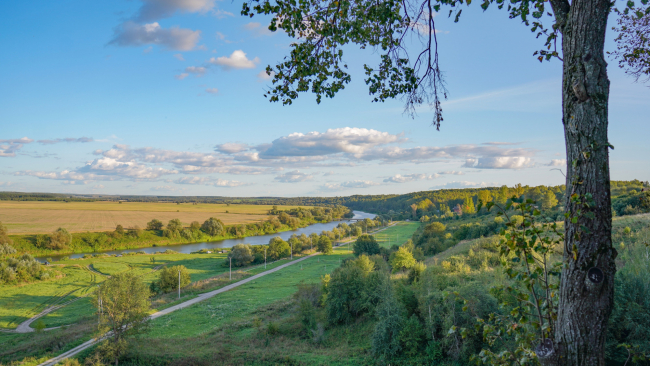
x=579 y=90
x=546 y=354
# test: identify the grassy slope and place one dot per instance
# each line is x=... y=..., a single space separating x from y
x=397 y=235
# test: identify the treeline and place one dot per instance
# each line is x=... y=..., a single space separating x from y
x=628 y=197
x=20 y=196
x=173 y=232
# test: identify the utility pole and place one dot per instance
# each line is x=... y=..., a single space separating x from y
x=179 y=284
x=231 y=268
x=264 y=257
x=99 y=313
x=292 y=251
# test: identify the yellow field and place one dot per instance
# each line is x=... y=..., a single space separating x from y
x=44 y=217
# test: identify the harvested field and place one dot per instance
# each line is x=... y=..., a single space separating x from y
x=45 y=217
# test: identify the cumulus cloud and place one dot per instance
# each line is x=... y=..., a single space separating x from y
x=557 y=162
x=333 y=141
x=66 y=139
x=258 y=29
x=213 y=91
x=166 y=188
x=398 y=178
x=159 y=9
x=451 y=172
x=394 y=154
x=502 y=162
x=8 y=148
x=5 y=184
x=127 y=169
x=131 y=33
x=196 y=70
x=181 y=76
x=237 y=60
x=179 y=57
x=293 y=177
x=231 y=148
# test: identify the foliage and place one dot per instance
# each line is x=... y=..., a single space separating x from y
x=402 y=259
x=633 y=41
x=366 y=244
x=4 y=236
x=241 y=255
x=123 y=306
x=325 y=245
x=154 y=224
x=278 y=248
x=60 y=239
x=168 y=279
x=212 y=227
x=386 y=336
x=17 y=269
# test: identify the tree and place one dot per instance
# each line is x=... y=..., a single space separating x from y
x=414 y=208
x=325 y=245
x=278 y=248
x=154 y=225
x=119 y=230
x=402 y=259
x=549 y=200
x=241 y=255
x=468 y=206
x=633 y=41
x=212 y=227
x=60 y=239
x=168 y=279
x=366 y=244
x=123 y=310
x=195 y=226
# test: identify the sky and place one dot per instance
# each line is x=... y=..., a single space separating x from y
x=166 y=97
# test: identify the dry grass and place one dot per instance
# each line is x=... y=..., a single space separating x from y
x=45 y=217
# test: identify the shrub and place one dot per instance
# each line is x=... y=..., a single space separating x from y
x=119 y=230
x=412 y=337
x=212 y=227
x=272 y=328
x=4 y=236
x=241 y=255
x=278 y=248
x=366 y=244
x=402 y=259
x=168 y=279
x=60 y=239
x=6 y=249
x=154 y=225
x=386 y=337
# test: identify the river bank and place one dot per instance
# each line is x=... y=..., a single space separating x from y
x=185 y=247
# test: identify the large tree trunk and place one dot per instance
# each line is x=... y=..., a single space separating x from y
x=587 y=282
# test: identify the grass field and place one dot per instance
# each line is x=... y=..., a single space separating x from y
x=397 y=234
x=26 y=217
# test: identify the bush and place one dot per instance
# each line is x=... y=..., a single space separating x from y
x=168 y=279
x=4 y=236
x=154 y=225
x=212 y=227
x=241 y=255
x=60 y=239
x=402 y=259
x=366 y=244
x=278 y=248
x=386 y=337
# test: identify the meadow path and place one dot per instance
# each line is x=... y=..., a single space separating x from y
x=199 y=298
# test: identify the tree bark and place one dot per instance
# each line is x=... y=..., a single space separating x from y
x=587 y=282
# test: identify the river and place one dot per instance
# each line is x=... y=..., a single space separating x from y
x=227 y=243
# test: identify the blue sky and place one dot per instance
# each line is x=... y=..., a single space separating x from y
x=165 y=97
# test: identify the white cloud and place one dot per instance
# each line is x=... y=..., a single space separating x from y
x=502 y=162
x=263 y=76
x=452 y=172
x=5 y=184
x=237 y=60
x=179 y=57
x=349 y=185
x=333 y=141
x=147 y=50
x=293 y=177
x=181 y=76
x=159 y=9
x=258 y=29
x=197 y=70
x=166 y=189
x=98 y=186
x=210 y=182
x=231 y=148
x=557 y=162
x=465 y=184
x=130 y=33
x=398 y=178
x=395 y=154
x=8 y=148
x=66 y=139
x=213 y=91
